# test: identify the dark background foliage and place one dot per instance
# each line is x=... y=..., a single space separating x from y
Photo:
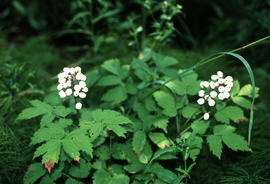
x=33 y=48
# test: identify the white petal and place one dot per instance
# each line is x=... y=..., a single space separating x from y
x=229 y=79
x=206 y=97
x=212 y=85
x=206 y=116
x=78 y=105
x=221 y=89
x=78 y=76
x=221 y=96
x=82 y=95
x=226 y=95
x=62 y=94
x=221 y=81
x=206 y=84
x=83 y=77
x=201 y=93
x=72 y=71
x=211 y=102
x=59 y=87
x=214 y=77
x=213 y=94
x=66 y=70
x=200 y=101
x=77 y=87
x=68 y=92
x=82 y=84
x=78 y=69
x=76 y=93
x=85 y=89
x=227 y=89
x=220 y=74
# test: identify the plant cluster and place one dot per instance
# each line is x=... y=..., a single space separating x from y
x=147 y=115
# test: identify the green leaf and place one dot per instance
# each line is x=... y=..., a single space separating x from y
x=215 y=145
x=189 y=111
x=235 y=89
x=191 y=83
x=81 y=170
x=63 y=123
x=109 y=80
x=46 y=119
x=241 y=101
x=235 y=142
x=159 y=139
x=112 y=65
x=35 y=171
x=161 y=152
x=162 y=173
x=178 y=87
x=45 y=134
x=115 y=95
x=164 y=61
x=101 y=177
x=62 y=111
x=91 y=77
x=161 y=123
x=138 y=141
x=223 y=129
x=167 y=102
x=103 y=152
x=141 y=70
x=247 y=91
x=38 y=109
x=95 y=130
x=119 y=179
x=73 y=181
x=200 y=127
x=46 y=179
x=146 y=153
x=229 y=113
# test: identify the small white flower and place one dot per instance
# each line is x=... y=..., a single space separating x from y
x=213 y=94
x=200 y=101
x=214 y=77
x=85 y=89
x=78 y=76
x=201 y=93
x=68 y=83
x=82 y=84
x=206 y=84
x=76 y=93
x=202 y=84
x=78 y=69
x=229 y=79
x=62 y=80
x=59 y=87
x=66 y=70
x=227 y=89
x=62 y=94
x=72 y=71
x=82 y=95
x=211 y=102
x=221 y=89
x=78 y=105
x=221 y=96
x=220 y=74
x=77 y=87
x=230 y=84
x=217 y=84
x=68 y=92
x=212 y=85
x=206 y=116
x=60 y=76
x=226 y=95
x=83 y=77
x=221 y=81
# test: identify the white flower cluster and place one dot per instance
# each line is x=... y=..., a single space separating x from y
x=218 y=88
x=72 y=81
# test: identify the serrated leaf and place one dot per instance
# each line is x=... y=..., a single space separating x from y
x=200 y=127
x=134 y=167
x=223 y=129
x=167 y=102
x=247 y=91
x=118 y=130
x=138 y=141
x=191 y=83
x=215 y=145
x=235 y=142
x=161 y=123
x=101 y=176
x=46 y=179
x=159 y=139
x=35 y=171
x=109 y=80
x=46 y=119
x=38 y=109
x=162 y=173
x=95 y=130
x=45 y=134
x=178 y=87
x=241 y=101
x=63 y=123
x=115 y=95
x=61 y=111
x=146 y=153
x=164 y=61
x=141 y=69
x=161 y=152
x=119 y=179
x=229 y=113
x=189 y=111
x=112 y=65
x=81 y=170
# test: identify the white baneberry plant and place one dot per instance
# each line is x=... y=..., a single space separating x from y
x=146 y=111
